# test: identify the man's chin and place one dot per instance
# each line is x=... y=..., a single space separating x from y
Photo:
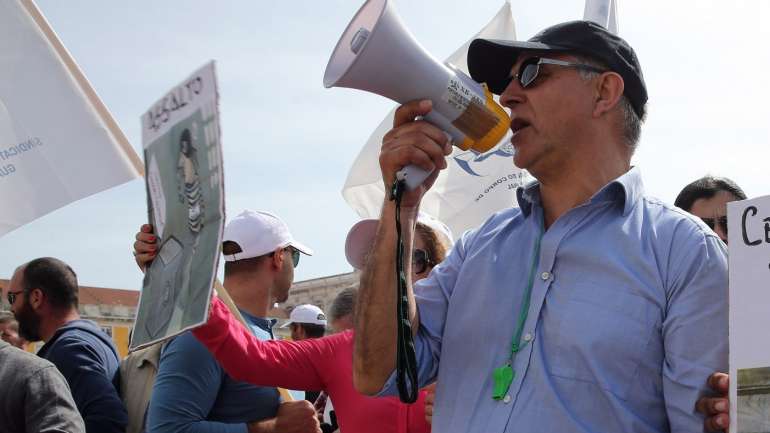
x=29 y=324
x=28 y=334
x=521 y=160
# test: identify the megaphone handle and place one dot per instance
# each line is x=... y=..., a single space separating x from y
x=413 y=176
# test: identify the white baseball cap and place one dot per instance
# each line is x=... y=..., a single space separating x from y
x=306 y=313
x=259 y=233
x=361 y=237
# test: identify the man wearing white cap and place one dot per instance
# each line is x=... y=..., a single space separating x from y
x=306 y=321
x=326 y=363
x=192 y=392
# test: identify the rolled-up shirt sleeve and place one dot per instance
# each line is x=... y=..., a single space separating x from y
x=695 y=329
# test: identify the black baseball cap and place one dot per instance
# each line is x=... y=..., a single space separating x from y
x=490 y=61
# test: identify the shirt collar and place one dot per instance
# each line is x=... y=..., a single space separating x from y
x=264 y=324
x=626 y=190
x=527 y=196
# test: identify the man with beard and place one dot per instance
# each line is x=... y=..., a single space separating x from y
x=44 y=298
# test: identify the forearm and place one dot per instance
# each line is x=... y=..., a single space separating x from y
x=263 y=426
x=375 y=340
x=265 y=363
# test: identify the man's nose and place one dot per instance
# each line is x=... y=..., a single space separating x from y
x=512 y=95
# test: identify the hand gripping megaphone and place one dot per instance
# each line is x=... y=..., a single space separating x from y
x=378 y=54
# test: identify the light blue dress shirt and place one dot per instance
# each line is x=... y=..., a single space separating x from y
x=628 y=318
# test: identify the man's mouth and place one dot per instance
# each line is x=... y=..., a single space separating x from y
x=517 y=124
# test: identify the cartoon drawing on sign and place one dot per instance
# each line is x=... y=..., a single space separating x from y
x=189 y=181
x=178 y=249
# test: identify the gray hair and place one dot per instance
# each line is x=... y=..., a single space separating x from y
x=344 y=304
x=631 y=122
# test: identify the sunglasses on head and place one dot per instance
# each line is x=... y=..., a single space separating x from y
x=718 y=221
x=530 y=69
x=420 y=261
x=12 y=296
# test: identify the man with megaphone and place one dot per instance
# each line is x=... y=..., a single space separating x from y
x=592 y=307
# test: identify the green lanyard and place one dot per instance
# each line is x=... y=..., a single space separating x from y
x=503 y=376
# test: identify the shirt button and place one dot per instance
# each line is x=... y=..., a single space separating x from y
x=545 y=275
x=528 y=337
x=507 y=399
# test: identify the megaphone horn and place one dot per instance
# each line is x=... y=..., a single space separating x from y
x=378 y=54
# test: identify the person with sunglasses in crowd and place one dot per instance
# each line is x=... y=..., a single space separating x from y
x=192 y=392
x=326 y=363
x=44 y=298
x=707 y=199
x=591 y=307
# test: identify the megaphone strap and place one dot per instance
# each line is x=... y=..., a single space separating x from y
x=406 y=359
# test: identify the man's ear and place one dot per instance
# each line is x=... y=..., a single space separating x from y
x=277 y=259
x=35 y=298
x=609 y=90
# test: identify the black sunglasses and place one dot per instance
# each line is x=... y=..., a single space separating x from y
x=420 y=261
x=12 y=296
x=530 y=69
x=294 y=256
x=712 y=222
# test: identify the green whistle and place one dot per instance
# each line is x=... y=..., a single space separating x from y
x=503 y=377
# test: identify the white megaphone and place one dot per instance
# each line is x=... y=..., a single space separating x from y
x=378 y=54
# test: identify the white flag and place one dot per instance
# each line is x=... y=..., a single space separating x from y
x=471 y=188
x=58 y=142
x=602 y=12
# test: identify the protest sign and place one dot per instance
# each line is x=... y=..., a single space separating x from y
x=185 y=192
x=472 y=187
x=58 y=142
x=749 y=237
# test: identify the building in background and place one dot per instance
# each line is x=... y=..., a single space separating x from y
x=318 y=291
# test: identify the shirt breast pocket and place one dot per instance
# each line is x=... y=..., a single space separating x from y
x=598 y=335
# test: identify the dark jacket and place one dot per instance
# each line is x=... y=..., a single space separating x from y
x=86 y=357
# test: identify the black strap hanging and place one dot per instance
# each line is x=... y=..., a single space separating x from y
x=406 y=359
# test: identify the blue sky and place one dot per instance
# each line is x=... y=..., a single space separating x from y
x=288 y=142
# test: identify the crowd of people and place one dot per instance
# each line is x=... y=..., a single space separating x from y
x=589 y=307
